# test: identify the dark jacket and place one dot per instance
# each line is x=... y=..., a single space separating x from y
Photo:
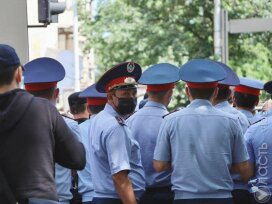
x=33 y=135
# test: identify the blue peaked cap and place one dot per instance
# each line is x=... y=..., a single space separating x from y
x=163 y=73
x=43 y=70
x=91 y=92
x=232 y=79
x=252 y=83
x=202 y=71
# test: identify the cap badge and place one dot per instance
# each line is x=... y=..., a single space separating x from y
x=130 y=67
x=129 y=80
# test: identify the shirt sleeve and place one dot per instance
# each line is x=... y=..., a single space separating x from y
x=118 y=146
x=248 y=137
x=163 y=147
x=239 y=152
x=69 y=152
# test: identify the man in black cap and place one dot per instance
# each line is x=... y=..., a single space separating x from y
x=33 y=137
x=78 y=107
x=114 y=153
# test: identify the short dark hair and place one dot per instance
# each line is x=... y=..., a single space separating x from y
x=223 y=94
x=48 y=93
x=205 y=93
x=78 y=108
x=7 y=74
x=95 y=109
x=245 y=100
x=157 y=94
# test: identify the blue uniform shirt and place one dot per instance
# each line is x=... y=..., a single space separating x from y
x=202 y=143
x=145 y=125
x=113 y=149
x=226 y=107
x=249 y=115
x=63 y=177
x=259 y=146
x=85 y=184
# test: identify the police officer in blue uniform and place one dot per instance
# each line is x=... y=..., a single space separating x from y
x=240 y=193
x=259 y=143
x=246 y=97
x=145 y=124
x=117 y=172
x=224 y=92
x=200 y=143
x=96 y=102
x=40 y=78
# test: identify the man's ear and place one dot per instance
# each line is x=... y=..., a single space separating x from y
x=18 y=75
x=215 y=92
x=109 y=96
x=56 y=94
x=257 y=102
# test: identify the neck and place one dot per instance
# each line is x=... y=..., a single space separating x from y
x=81 y=115
x=215 y=102
x=161 y=101
x=6 y=88
x=247 y=109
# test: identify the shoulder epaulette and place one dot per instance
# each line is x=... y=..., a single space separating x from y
x=177 y=109
x=257 y=121
x=120 y=120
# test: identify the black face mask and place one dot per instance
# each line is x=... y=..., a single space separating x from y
x=126 y=105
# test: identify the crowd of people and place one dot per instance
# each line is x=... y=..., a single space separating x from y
x=214 y=151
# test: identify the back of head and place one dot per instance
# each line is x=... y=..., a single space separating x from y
x=9 y=62
x=77 y=104
x=47 y=93
x=244 y=100
x=200 y=93
x=201 y=77
x=246 y=95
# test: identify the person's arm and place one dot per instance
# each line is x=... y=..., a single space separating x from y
x=162 y=153
x=124 y=187
x=240 y=163
x=69 y=152
x=245 y=169
x=118 y=146
x=161 y=165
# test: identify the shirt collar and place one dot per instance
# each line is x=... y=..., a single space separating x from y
x=199 y=102
x=222 y=104
x=155 y=104
x=108 y=108
x=247 y=113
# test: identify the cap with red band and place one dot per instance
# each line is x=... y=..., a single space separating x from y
x=94 y=98
x=96 y=101
x=202 y=85
x=161 y=87
x=160 y=77
x=247 y=90
x=125 y=80
x=42 y=73
x=40 y=86
x=249 y=86
x=124 y=74
x=202 y=73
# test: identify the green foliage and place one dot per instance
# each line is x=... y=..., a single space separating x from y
x=153 y=31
